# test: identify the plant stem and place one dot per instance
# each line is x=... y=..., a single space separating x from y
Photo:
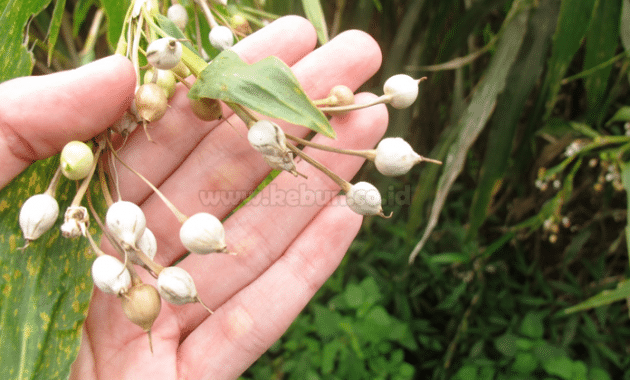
x=152 y=265
x=92 y=36
x=206 y=11
x=104 y=188
x=195 y=63
x=178 y=214
x=369 y=154
x=84 y=185
x=134 y=49
x=52 y=187
x=352 y=107
x=345 y=185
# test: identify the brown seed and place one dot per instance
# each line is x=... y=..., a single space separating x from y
x=344 y=95
x=142 y=305
x=206 y=109
x=151 y=102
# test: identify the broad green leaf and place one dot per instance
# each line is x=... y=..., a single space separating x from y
x=606 y=297
x=45 y=289
x=478 y=113
x=267 y=86
x=15 y=58
x=532 y=325
x=573 y=22
x=506 y=344
x=601 y=45
x=510 y=104
x=55 y=25
x=115 y=11
x=524 y=363
x=315 y=14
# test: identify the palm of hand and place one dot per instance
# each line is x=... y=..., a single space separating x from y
x=288 y=242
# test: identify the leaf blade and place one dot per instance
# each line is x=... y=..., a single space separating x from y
x=15 y=58
x=267 y=86
x=55 y=26
x=315 y=14
x=606 y=297
x=45 y=289
x=115 y=10
x=510 y=104
x=573 y=22
x=477 y=114
x=600 y=47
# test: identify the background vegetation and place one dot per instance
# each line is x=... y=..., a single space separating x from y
x=526 y=101
x=518 y=243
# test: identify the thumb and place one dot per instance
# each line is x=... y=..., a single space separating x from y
x=40 y=114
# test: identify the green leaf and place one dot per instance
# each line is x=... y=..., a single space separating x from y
x=524 y=363
x=573 y=22
x=172 y=30
x=315 y=14
x=329 y=355
x=267 y=86
x=624 y=23
x=622 y=115
x=116 y=10
x=354 y=296
x=45 y=289
x=601 y=45
x=606 y=297
x=477 y=113
x=510 y=104
x=532 y=325
x=506 y=344
x=79 y=14
x=55 y=25
x=15 y=58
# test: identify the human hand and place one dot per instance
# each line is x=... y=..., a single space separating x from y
x=287 y=244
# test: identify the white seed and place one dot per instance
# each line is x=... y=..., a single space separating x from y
x=147 y=244
x=76 y=160
x=203 y=233
x=403 y=89
x=221 y=37
x=394 y=157
x=37 y=215
x=363 y=198
x=177 y=13
x=176 y=286
x=110 y=275
x=267 y=138
x=126 y=222
x=164 y=53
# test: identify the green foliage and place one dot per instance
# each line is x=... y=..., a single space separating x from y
x=352 y=337
x=315 y=14
x=267 y=86
x=523 y=274
x=15 y=56
x=115 y=11
x=45 y=288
